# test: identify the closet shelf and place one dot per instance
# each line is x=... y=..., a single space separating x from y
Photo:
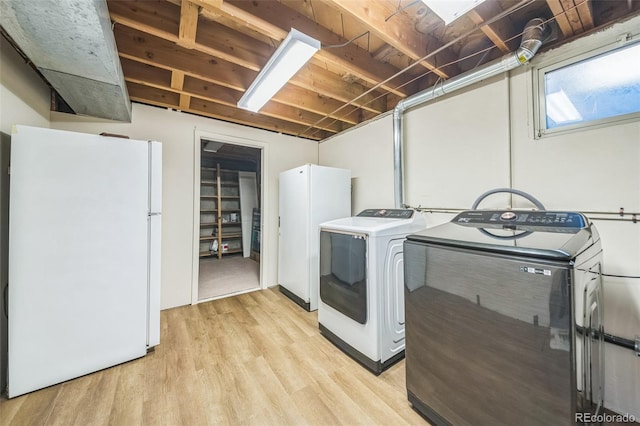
x=226 y=217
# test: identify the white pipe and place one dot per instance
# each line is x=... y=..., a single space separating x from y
x=532 y=37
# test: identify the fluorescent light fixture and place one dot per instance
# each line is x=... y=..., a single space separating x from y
x=296 y=49
x=560 y=108
x=450 y=10
x=211 y=146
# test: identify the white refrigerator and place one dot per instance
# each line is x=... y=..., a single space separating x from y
x=309 y=195
x=84 y=254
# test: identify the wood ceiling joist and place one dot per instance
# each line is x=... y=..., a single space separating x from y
x=498 y=32
x=203 y=90
x=298 y=97
x=585 y=12
x=336 y=89
x=561 y=17
x=177 y=79
x=190 y=87
x=400 y=33
x=153 y=95
x=572 y=15
x=159 y=97
x=161 y=76
x=185 y=102
x=154 y=50
x=208 y=3
x=188 y=25
x=353 y=59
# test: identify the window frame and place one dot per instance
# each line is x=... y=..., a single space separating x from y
x=539 y=97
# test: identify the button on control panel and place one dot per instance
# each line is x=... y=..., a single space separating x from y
x=512 y=219
x=388 y=213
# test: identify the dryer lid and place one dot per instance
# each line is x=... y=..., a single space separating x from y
x=379 y=222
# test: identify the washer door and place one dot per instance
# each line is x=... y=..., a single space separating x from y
x=343 y=273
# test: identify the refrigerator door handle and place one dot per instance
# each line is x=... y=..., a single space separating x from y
x=154 y=214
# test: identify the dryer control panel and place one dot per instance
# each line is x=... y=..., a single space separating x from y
x=388 y=213
x=540 y=220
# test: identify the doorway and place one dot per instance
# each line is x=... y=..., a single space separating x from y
x=229 y=198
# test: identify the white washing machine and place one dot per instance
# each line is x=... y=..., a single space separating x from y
x=361 y=307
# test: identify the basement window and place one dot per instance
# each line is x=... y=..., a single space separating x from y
x=591 y=90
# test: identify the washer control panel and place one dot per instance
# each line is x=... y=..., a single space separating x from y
x=513 y=219
x=388 y=213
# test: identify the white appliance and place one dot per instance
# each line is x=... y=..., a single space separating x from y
x=309 y=195
x=84 y=254
x=361 y=284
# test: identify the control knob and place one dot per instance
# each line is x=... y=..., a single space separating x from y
x=508 y=216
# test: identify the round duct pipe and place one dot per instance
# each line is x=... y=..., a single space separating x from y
x=535 y=33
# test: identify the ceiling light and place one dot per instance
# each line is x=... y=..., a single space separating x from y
x=450 y=10
x=560 y=108
x=296 y=49
x=211 y=146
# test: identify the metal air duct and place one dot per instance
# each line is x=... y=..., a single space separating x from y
x=536 y=31
x=71 y=43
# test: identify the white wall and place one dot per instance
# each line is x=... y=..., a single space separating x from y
x=24 y=99
x=481 y=138
x=369 y=156
x=176 y=132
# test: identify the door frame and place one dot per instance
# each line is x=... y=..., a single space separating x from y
x=200 y=134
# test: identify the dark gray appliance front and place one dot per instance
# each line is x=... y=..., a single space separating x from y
x=504 y=329
x=487 y=337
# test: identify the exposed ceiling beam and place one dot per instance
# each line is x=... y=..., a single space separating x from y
x=167 y=99
x=207 y=3
x=145 y=20
x=398 y=32
x=185 y=102
x=148 y=75
x=275 y=20
x=498 y=32
x=177 y=78
x=585 y=11
x=188 y=25
x=572 y=15
x=561 y=18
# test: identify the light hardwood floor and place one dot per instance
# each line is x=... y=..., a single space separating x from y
x=252 y=359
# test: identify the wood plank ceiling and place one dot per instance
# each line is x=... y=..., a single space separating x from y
x=199 y=56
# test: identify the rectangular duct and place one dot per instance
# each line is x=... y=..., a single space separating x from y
x=71 y=43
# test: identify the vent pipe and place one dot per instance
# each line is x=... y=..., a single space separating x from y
x=535 y=33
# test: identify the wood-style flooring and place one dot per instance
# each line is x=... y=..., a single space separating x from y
x=252 y=359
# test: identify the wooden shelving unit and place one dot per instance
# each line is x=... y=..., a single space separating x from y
x=219 y=212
